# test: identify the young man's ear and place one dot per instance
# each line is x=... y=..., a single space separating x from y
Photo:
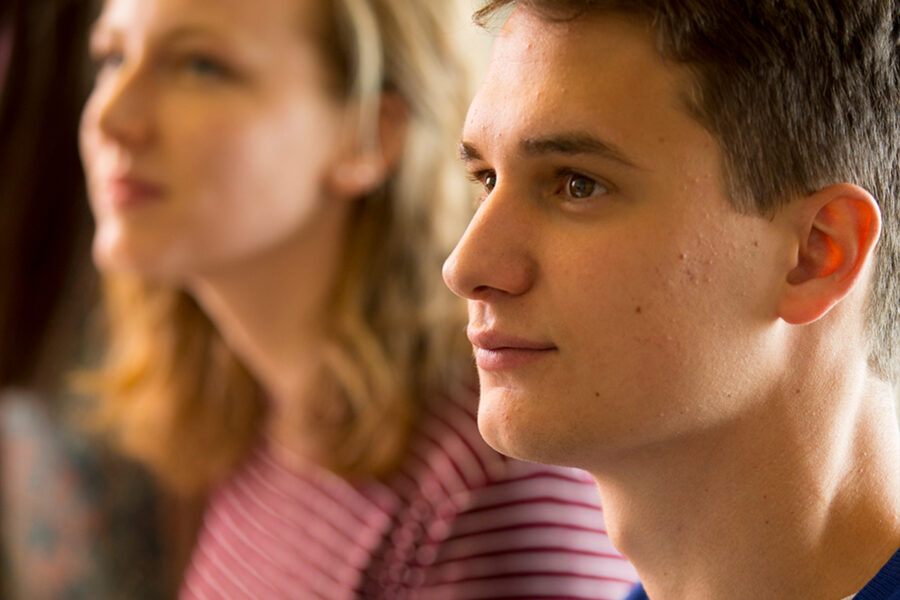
x=837 y=229
x=367 y=163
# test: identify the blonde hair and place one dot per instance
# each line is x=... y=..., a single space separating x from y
x=173 y=394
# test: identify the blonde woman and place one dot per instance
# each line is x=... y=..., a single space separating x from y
x=274 y=188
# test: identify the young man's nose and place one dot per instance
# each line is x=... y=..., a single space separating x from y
x=493 y=257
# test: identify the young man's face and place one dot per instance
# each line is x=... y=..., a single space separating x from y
x=616 y=300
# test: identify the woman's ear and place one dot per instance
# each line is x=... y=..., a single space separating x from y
x=366 y=164
x=837 y=227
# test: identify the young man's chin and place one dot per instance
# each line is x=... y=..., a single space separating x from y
x=514 y=424
x=500 y=417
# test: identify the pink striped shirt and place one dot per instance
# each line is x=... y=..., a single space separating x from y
x=457 y=521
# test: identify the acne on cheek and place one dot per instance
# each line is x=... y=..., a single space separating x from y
x=682 y=276
x=696 y=270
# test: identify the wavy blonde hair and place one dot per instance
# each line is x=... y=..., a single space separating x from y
x=172 y=393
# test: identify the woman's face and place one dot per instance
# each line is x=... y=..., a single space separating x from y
x=210 y=135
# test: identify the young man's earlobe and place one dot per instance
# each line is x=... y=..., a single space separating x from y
x=837 y=227
x=368 y=163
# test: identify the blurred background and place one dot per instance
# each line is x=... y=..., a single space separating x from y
x=78 y=520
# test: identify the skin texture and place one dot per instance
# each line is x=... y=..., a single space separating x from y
x=627 y=320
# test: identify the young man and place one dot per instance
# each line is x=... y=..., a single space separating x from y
x=683 y=277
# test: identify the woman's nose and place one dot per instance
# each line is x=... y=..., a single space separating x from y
x=120 y=107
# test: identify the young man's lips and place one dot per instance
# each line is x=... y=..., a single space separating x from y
x=495 y=351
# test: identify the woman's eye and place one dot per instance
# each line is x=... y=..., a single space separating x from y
x=580 y=187
x=204 y=66
x=105 y=61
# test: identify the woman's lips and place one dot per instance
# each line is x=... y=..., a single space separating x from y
x=495 y=351
x=128 y=192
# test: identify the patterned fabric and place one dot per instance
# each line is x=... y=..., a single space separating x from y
x=77 y=522
x=457 y=521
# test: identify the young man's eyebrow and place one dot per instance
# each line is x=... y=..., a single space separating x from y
x=574 y=143
x=468 y=152
x=563 y=143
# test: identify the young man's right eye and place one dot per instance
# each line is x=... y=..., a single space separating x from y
x=580 y=187
x=487 y=180
x=576 y=189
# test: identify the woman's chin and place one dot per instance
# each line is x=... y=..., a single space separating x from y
x=126 y=260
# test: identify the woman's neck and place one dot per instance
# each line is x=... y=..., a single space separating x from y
x=272 y=307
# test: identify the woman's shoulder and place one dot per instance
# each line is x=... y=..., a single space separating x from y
x=482 y=522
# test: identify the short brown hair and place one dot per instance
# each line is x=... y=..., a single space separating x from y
x=800 y=94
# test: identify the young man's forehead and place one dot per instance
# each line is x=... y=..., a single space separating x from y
x=548 y=80
x=563 y=10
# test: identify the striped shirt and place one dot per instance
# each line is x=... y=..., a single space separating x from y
x=457 y=521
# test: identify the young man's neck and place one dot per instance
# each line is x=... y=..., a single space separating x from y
x=777 y=505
